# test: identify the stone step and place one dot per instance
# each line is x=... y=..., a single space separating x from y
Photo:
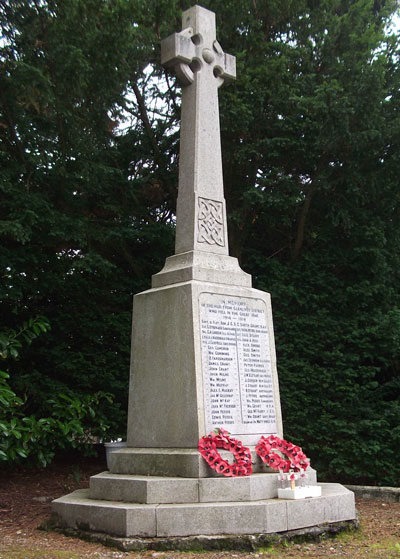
x=171 y=462
x=78 y=511
x=160 y=489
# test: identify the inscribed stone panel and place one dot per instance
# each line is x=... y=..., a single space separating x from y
x=236 y=365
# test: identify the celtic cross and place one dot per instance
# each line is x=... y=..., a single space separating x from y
x=202 y=67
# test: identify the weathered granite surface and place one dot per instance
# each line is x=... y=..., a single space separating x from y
x=203 y=356
x=264 y=516
x=169 y=490
x=167 y=396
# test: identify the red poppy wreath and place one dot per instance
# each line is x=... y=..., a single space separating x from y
x=208 y=445
x=296 y=460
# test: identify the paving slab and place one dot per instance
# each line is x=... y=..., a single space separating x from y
x=390 y=494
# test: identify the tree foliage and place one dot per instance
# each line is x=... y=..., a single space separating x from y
x=82 y=229
x=314 y=198
x=310 y=134
x=74 y=422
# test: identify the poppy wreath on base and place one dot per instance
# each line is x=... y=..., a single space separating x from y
x=296 y=459
x=208 y=445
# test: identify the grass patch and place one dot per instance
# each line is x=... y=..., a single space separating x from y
x=275 y=549
x=23 y=553
x=270 y=551
x=387 y=545
x=347 y=536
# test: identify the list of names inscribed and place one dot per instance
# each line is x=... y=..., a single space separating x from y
x=236 y=363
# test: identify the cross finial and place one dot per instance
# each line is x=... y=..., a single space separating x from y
x=196 y=46
x=202 y=66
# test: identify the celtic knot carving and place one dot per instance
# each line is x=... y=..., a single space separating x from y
x=210 y=222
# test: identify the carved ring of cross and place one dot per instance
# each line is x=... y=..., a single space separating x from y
x=187 y=53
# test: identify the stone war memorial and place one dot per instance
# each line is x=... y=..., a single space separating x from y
x=203 y=363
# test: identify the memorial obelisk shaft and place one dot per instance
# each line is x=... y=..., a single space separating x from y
x=203 y=352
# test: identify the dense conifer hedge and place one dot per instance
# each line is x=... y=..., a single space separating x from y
x=88 y=184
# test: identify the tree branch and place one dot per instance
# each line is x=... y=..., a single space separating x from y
x=146 y=123
x=176 y=108
x=301 y=224
x=11 y=124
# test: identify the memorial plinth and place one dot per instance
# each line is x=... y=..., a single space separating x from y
x=203 y=359
x=203 y=356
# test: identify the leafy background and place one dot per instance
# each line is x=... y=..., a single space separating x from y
x=89 y=140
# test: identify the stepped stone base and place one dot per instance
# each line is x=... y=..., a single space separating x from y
x=160 y=490
x=78 y=511
x=159 y=462
x=181 y=462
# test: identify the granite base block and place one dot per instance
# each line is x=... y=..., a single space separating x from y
x=144 y=489
x=78 y=511
x=173 y=490
x=211 y=518
x=337 y=510
x=179 y=462
x=159 y=462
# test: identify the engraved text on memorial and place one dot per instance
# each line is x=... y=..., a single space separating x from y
x=236 y=362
